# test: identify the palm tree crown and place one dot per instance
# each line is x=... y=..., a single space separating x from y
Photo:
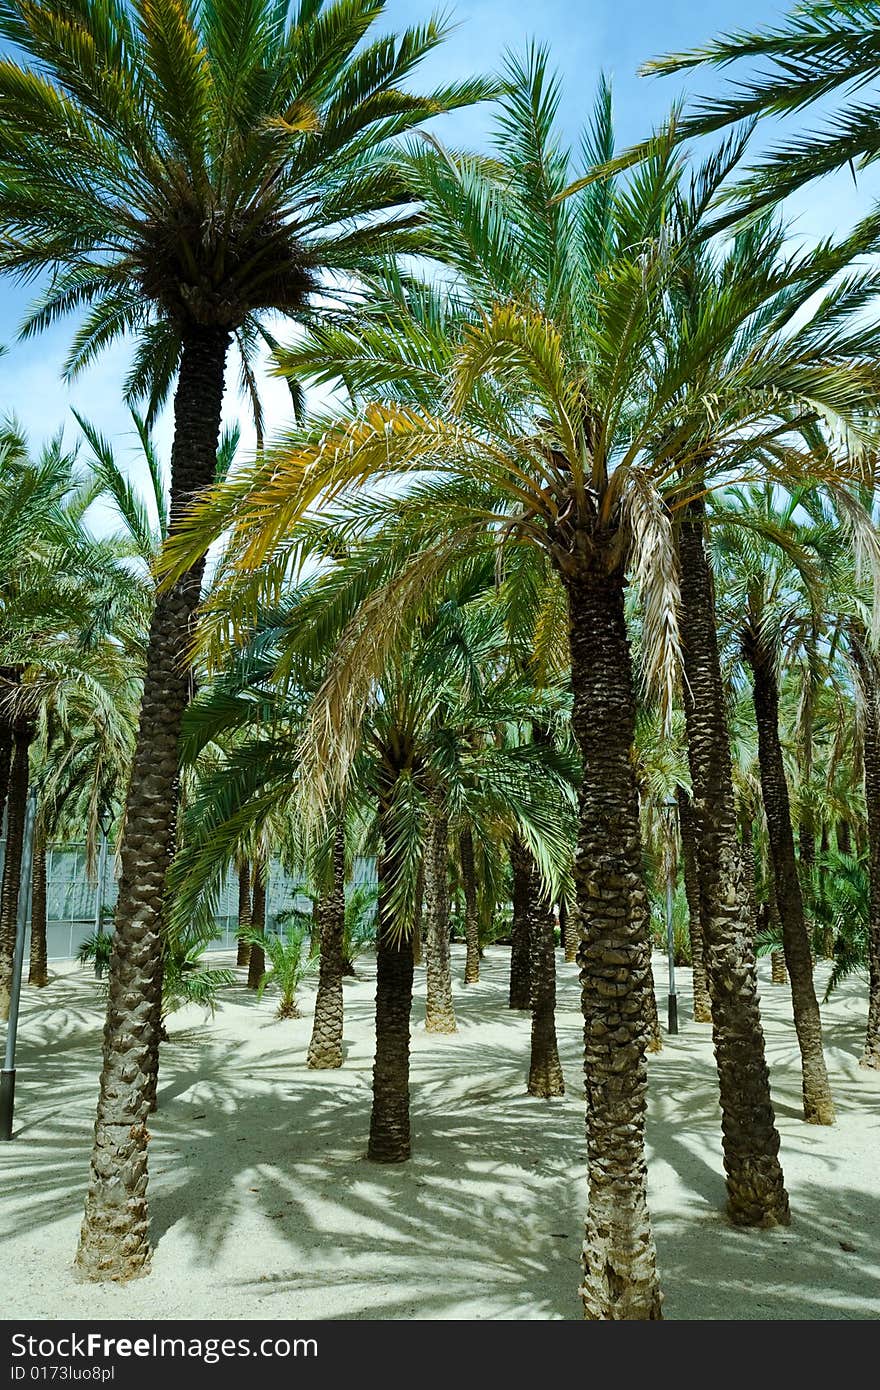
x=173 y=164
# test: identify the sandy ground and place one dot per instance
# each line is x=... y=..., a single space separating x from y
x=263 y=1205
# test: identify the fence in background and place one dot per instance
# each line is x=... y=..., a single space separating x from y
x=72 y=899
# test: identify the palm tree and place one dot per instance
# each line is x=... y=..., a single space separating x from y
x=70 y=628
x=554 y=399
x=865 y=663
x=325 y=1046
x=690 y=871
x=770 y=601
x=541 y=393
x=176 y=192
x=520 y=933
x=289 y=966
x=439 y=1006
x=243 y=952
x=471 y=913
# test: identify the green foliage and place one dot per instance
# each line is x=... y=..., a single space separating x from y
x=95 y=949
x=289 y=964
x=170 y=165
x=186 y=979
x=359 y=932
x=841 y=899
x=680 y=933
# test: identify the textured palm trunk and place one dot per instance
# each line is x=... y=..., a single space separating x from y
x=755 y=1187
x=38 y=969
x=818 y=1103
x=520 y=945
x=156 y=987
x=619 y=1260
x=778 y=972
x=439 y=1006
x=325 y=1047
x=10 y=677
x=389 y=1120
x=749 y=874
x=257 y=958
x=16 y=807
x=690 y=865
x=114 y=1242
x=843 y=837
x=471 y=915
x=652 y=1018
x=6 y=743
x=568 y=932
x=866 y=671
x=243 y=953
x=545 y=1072
x=418 y=914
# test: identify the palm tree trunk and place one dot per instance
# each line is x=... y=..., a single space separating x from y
x=843 y=837
x=866 y=671
x=471 y=915
x=520 y=946
x=688 y=829
x=818 y=1103
x=257 y=958
x=418 y=914
x=10 y=677
x=243 y=953
x=325 y=1047
x=389 y=1120
x=6 y=744
x=778 y=972
x=439 y=1007
x=545 y=1072
x=755 y=1187
x=38 y=971
x=16 y=808
x=620 y=1266
x=652 y=1018
x=114 y=1242
x=568 y=931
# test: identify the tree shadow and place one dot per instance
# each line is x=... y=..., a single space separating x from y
x=263 y=1204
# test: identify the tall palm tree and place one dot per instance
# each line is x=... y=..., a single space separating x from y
x=770 y=601
x=176 y=191
x=552 y=399
x=541 y=394
x=70 y=629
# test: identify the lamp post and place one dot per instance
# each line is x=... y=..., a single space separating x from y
x=672 y=998
x=99 y=900
x=7 y=1076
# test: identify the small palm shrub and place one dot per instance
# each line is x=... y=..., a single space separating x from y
x=288 y=965
x=185 y=980
x=841 y=908
x=95 y=949
x=498 y=929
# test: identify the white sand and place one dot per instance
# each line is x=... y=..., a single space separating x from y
x=263 y=1205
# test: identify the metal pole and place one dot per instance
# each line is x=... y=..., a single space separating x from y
x=672 y=1002
x=7 y=1076
x=99 y=903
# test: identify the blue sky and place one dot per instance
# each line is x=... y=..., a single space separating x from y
x=585 y=38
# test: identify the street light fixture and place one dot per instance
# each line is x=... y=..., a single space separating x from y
x=7 y=1076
